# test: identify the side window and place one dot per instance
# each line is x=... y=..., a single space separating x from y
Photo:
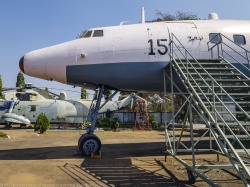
x=239 y=39
x=215 y=38
x=88 y=34
x=98 y=33
x=33 y=108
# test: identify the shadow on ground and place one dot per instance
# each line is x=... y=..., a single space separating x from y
x=121 y=164
x=139 y=171
x=67 y=152
x=124 y=164
x=108 y=151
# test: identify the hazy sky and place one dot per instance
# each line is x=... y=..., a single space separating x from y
x=27 y=25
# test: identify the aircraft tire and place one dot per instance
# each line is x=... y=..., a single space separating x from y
x=89 y=144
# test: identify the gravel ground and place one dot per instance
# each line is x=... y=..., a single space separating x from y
x=129 y=158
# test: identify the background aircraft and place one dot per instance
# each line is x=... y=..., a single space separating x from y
x=25 y=107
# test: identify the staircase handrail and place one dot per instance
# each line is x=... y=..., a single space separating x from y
x=215 y=95
x=215 y=111
x=221 y=43
x=242 y=74
x=212 y=79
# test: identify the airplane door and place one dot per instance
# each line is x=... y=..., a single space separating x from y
x=188 y=35
x=158 y=42
x=52 y=110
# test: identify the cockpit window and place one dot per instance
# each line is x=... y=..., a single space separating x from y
x=98 y=33
x=5 y=105
x=88 y=34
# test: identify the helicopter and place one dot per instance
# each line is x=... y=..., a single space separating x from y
x=24 y=107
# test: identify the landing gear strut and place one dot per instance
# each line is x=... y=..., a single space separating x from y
x=89 y=143
x=8 y=125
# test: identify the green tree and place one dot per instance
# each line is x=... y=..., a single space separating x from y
x=20 y=81
x=42 y=123
x=152 y=121
x=81 y=34
x=168 y=103
x=107 y=93
x=155 y=103
x=46 y=89
x=178 y=16
x=1 y=85
x=84 y=93
x=114 y=123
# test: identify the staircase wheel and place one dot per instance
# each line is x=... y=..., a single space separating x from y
x=191 y=177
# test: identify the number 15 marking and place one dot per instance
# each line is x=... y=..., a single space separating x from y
x=159 y=44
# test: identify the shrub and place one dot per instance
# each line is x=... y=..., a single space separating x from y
x=152 y=121
x=126 y=125
x=42 y=123
x=99 y=121
x=103 y=122
x=154 y=124
x=114 y=123
x=3 y=135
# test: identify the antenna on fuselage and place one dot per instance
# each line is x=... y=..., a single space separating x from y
x=142 y=15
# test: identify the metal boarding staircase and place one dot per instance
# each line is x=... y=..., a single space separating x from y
x=219 y=93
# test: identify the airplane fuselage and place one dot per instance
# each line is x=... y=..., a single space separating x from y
x=128 y=57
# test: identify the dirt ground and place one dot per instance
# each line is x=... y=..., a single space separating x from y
x=129 y=158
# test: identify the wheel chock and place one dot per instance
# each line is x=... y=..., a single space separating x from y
x=96 y=155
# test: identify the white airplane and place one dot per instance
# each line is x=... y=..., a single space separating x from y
x=128 y=57
x=25 y=107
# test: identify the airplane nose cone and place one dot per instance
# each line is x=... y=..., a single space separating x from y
x=47 y=63
x=21 y=64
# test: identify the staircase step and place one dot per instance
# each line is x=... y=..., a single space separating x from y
x=224 y=87
x=218 y=74
x=234 y=124
x=210 y=69
x=221 y=80
x=234 y=112
x=228 y=90
x=184 y=63
x=242 y=152
x=240 y=137
x=200 y=60
x=223 y=94
x=218 y=104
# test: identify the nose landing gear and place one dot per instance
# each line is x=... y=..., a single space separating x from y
x=89 y=143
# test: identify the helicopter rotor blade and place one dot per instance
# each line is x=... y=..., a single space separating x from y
x=8 y=89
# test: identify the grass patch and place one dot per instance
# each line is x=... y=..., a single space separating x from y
x=2 y=135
